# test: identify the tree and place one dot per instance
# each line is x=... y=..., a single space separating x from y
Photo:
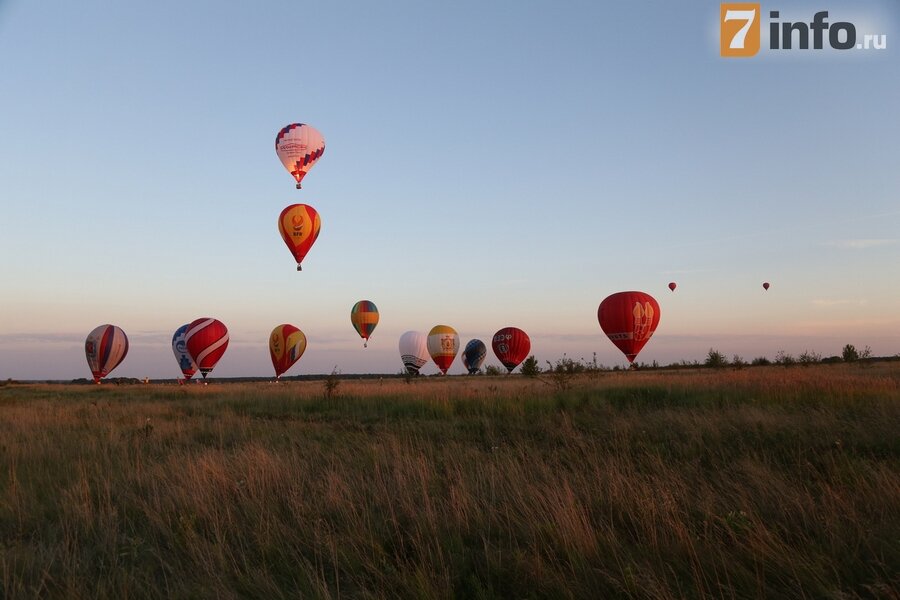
x=850 y=354
x=530 y=367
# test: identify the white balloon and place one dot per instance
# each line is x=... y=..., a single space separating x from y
x=413 y=351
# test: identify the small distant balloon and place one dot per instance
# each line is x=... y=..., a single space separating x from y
x=443 y=346
x=766 y=286
x=364 y=316
x=672 y=285
x=299 y=147
x=179 y=348
x=286 y=345
x=104 y=348
x=299 y=226
x=629 y=319
x=511 y=345
x=206 y=340
x=413 y=351
x=473 y=356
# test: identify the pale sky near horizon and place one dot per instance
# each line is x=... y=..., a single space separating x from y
x=487 y=164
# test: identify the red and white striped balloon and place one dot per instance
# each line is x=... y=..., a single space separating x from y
x=206 y=340
x=104 y=348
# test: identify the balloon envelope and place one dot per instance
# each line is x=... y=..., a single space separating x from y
x=473 y=355
x=629 y=319
x=104 y=348
x=299 y=226
x=206 y=340
x=286 y=345
x=299 y=147
x=413 y=351
x=179 y=348
x=511 y=345
x=364 y=316
x=672 y=286
x=766 y=285
x=443 y=346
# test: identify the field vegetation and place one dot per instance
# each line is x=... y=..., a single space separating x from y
x=764 y=482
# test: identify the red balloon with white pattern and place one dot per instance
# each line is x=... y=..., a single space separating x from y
x=629 y=319
x=511 y=345
x=206 y=340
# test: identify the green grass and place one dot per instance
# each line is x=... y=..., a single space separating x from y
x=762 y=483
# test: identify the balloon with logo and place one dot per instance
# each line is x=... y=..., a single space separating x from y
x=443 y=346
x=179 y=348
x=299 y=227
x=206 y=340
x=364 y=316
x=766 y=286
x=629 y=319
x=413 y=351
x=299 y=147
x=473 y=356
x=286 y=345
x=511 y=345
x=672 y=285
x=104 y=348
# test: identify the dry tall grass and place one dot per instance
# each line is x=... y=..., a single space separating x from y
x=761 y=483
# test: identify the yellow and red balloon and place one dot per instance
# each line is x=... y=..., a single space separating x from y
x=286 y=345
x=443 y=346
x=299 y=226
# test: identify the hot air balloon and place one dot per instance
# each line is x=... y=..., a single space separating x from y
x=443 y=345
x=299 y=227
x=364 y=316
x=185 y=362
x=105 y=347
x=672 y=285
x=473 y=356
x=299 y=147
x=206 y=340
x=413 y=351
x=629 y=319
x=511 y=345
x=766 y=286
x=286 y=345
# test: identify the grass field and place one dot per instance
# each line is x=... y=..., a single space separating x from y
x=759 y=483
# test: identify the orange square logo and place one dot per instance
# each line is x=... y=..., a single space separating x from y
x=739 y=29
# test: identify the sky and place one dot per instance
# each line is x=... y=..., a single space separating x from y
x=487 y=164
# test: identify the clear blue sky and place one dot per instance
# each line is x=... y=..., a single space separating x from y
x=487 y=164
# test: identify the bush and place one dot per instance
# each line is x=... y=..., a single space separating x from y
x=785 y=359
x=493 y=370
x=332 y=382
x=760 y=361
x=737 y=362
x=715 y=359
x=850 y=354
x=809 y=358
